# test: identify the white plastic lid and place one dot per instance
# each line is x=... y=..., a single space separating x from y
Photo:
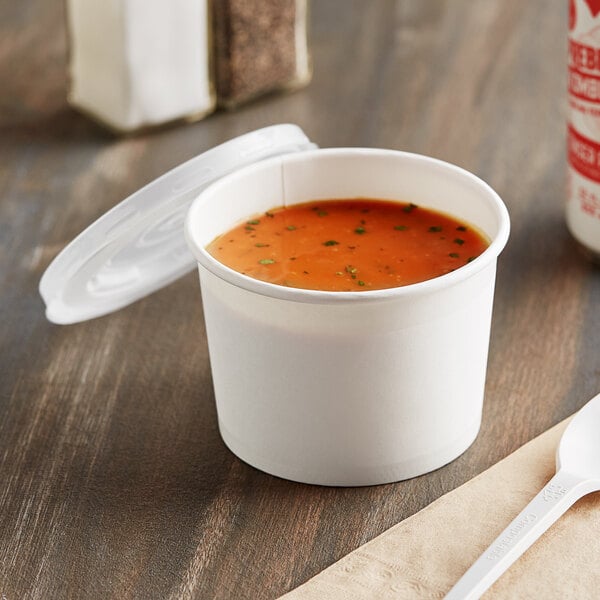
x=138 y=246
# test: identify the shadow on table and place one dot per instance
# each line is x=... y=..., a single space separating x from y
x=63 y=124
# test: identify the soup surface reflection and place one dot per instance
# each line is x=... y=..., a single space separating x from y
x=348 y=245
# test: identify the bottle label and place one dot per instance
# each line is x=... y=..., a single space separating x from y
x=583 y=131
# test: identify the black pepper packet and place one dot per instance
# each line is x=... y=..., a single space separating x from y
x=260 y=46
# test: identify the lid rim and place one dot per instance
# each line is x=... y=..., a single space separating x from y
x=150 y=223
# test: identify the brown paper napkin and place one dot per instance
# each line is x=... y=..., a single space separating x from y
x=424 y=555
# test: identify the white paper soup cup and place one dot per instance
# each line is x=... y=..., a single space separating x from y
x=348 y=388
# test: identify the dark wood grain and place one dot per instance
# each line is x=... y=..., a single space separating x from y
x=114 y=481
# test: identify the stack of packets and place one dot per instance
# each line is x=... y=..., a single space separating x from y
x=423 y=556
x=136 y=64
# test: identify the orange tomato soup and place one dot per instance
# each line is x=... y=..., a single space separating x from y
x=348 y=245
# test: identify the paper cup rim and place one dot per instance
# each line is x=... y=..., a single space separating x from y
x=489 y=255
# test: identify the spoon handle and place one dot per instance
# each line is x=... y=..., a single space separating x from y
x=549 y=504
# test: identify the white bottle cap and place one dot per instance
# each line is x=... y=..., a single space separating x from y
x=138 y=246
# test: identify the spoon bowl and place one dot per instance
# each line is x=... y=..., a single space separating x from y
x=579 y=448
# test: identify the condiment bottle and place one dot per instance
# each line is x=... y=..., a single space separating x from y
x=583 y=150
x=259 y=46
x=140 y=63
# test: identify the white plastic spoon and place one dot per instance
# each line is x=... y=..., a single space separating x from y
x=577 y=474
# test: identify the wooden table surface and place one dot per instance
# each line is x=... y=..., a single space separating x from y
x=114 y=482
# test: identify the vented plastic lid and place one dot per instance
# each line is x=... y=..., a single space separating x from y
x=138 y=246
